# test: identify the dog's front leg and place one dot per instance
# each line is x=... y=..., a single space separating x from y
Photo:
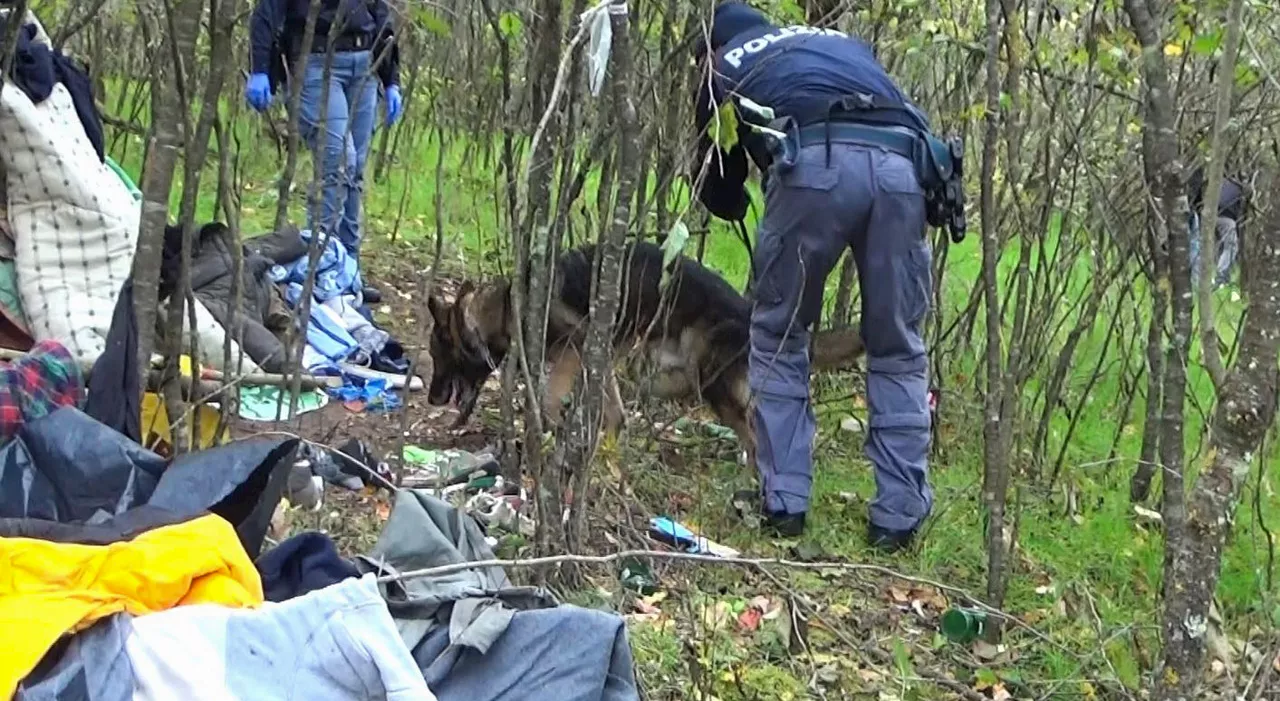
x=466 y=405
x=566 y=364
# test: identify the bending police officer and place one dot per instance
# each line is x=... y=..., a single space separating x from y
x=847 y=162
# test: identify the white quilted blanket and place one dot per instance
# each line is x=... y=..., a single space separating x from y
x=75 y=228
x=75 y=225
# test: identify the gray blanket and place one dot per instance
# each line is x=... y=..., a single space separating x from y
x=479 y=638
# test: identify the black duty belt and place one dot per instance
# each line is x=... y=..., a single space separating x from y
x=345 y=43
x=898 y=140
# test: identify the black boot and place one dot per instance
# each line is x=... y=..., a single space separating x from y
x=887 y=540
x=371 y=295
x=785 y=525
x=781 y=524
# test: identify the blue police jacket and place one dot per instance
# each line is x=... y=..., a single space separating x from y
x=797 y=71
x=277 y=27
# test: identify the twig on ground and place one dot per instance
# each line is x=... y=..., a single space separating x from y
x=760 y=563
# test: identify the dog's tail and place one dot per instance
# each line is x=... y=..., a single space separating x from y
x=835 y=349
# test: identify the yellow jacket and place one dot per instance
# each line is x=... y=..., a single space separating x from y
x=48 y=589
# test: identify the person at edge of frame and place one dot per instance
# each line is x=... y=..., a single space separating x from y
x=847 y=161
x=364 y=45
x=1233 y=204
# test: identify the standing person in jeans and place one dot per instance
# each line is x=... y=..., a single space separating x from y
x=365 y=54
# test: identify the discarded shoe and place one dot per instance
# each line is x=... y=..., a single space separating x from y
x=887 y=540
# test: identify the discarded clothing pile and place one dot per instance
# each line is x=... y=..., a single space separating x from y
x=473 y=635
x=261 y=318
x=133 y=579
x=341 y=333
x=471 y=481
x=40 y=382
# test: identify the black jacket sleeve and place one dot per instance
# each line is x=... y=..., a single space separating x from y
x=723 y=190
x=265 y=26
x=386 y=49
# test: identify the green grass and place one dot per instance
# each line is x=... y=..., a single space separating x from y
x=1100 y=550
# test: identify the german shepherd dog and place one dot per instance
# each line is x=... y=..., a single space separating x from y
x=695 y=333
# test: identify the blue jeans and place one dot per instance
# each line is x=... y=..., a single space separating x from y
x=352 y=96
x=1228 y=247
x=867 y=200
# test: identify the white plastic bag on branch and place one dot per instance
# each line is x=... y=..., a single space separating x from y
x=597 y=18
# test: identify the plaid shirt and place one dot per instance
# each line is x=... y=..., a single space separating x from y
x=36 y=384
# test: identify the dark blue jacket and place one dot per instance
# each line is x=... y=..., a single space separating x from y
x=277 y=27
x=798 y=71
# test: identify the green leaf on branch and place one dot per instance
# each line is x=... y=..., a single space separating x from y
x=510 y=24
x=1206 y=44
x=724 y=128
x=433 y=23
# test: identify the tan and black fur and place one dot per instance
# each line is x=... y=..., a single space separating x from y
x=695 y=335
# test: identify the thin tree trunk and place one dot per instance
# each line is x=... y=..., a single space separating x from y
x=996 y=473
x=1245 y=411
x=609 y=263
x=1149 y=455
x=166 y=140
x=1212 y=194
x=534 y=270
x=296 y=78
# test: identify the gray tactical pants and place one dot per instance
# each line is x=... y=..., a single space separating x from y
x=867 y=199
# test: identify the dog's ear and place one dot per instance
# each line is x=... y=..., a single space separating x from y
x=438 y=311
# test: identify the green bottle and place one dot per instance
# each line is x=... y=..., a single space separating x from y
x=963 y=625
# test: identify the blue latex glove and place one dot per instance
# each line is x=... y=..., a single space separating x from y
x=395 y=104
x=257 y=92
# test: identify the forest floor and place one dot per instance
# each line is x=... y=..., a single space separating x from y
x=1083 y=593
x=1084 y=581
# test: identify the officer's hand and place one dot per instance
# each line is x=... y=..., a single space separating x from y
x=395 y=104
x=257 y=92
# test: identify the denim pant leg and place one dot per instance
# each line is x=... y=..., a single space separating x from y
x=895 y=273
x=1228 y=248
x=804 y=231
x=327 y=143
x=362 y=100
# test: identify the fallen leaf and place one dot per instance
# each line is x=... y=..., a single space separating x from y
x=645 y=607
x=930 y=597
x=1044 y=589
x=1148 y=514
x=984 y=679
x=828 y=674
x=851 y=424
x=870 y=676
x=899 y=595
x=749 y=620
x=1173 y=50
x=999 y=693
x=655 y=598
x=985 y=650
